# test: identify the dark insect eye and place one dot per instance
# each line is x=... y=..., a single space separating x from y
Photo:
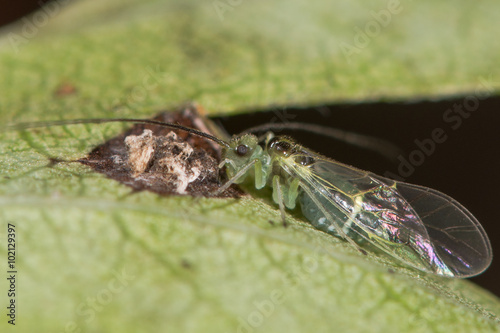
x=242 y=150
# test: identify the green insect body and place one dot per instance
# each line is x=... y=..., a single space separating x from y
x=419 y=226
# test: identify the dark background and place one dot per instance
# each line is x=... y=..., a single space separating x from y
x=13 y=10
x=466 y=166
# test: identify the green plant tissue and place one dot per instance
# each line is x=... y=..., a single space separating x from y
x=93 y=257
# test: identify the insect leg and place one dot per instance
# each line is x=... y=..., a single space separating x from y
x=292 y=194
x=233 y=179
x=278 y=197
x=330 y=218
x=222 y=163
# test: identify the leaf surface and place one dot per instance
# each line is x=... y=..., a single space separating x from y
x=94 y=257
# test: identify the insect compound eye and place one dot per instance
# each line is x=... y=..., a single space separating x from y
x=242 y=150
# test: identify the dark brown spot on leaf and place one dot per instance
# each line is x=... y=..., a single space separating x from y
x=162 y=160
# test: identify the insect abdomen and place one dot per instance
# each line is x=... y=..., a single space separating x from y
x=318 y=219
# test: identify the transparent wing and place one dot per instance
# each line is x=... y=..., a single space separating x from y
x=458 y=238
x=422 y=227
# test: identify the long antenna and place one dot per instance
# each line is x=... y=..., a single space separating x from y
x=383 y=147
x=22 y=126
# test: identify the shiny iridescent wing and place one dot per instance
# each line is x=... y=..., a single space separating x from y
x=422 y=227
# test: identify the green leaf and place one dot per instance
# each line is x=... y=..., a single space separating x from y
x=91 y=256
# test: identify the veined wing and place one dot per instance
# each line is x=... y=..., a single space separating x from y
x=458 y=238
x=422 y=227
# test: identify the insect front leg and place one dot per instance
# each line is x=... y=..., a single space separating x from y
x=236 y=178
